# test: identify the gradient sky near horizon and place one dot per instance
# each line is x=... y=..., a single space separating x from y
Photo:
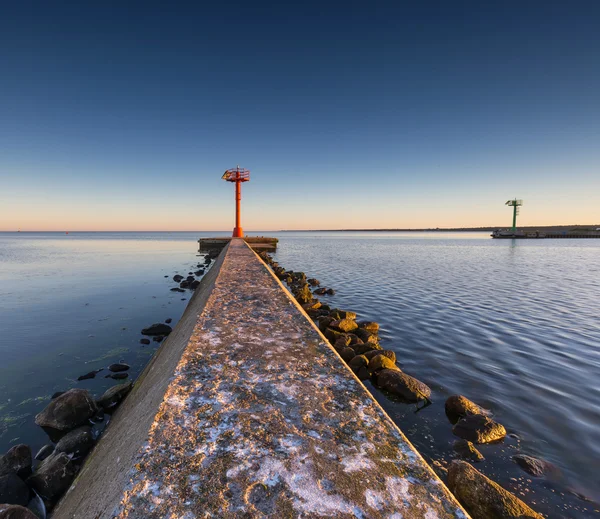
x=124 y=115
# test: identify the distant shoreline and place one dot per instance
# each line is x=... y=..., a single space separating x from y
x=457 y=229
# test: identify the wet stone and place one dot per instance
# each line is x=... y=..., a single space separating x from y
x=44 y=452
x=13 y=490
x=16 y=512
x=17 y=460
x=466 y=450
x=67 y=411
x=479 y=429
x=457 y=406
x=157 y=329
x=115 y=368
x=53 y=476
x=77 y=442
x=534 y=466
x=402 y=385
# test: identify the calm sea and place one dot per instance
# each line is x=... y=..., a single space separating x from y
x=515 y=326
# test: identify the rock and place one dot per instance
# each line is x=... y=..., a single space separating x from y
x=354 y=339
x=347 y=353
x=57 y=394
x=372 y=352
x=177 y=278
x=363 y=373
x=313 y=305
x=69 y=410
x=324 y=323
x=342 y=342
x=158 y=338
x=466 y=450
x=44 y=452
x=185 y=284
x=330 y=292
x=366 y=336
x=78 y=442
x=199 y=272
x=157 y=329
x=363 y=348
x=87 y=376
x=177 y=289
x=194 y=284
x=17 y=460
x=386 y=353
x=190 y=278
x=114 y=395
x=332 y=335
x=370 y=326
x=315 y=314
x=379 y=362
x=479 y=429
x=303 y=295
x=320 y=291
x=53 y=476
x=359 y=361
x=168 y=321
x=458 y=406
x=402 y=385
x=337 y=314
x=299 y=277
x=16 y=512
x=13 y=490
x=118 y=376
x=313 y=282
x=344 y=325
x=534 y=466
x=145 y=341
x=115 y=368
x=482 y=497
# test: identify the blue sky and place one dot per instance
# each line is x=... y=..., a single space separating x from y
x=361 y=115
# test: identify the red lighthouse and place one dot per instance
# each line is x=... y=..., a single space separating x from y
x=237 y=175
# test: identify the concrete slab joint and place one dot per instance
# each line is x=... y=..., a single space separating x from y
x=259 y=417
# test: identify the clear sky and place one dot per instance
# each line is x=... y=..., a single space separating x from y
x=120 y=115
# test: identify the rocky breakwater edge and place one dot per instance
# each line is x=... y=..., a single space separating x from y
x=74 y=420
x=358 y=344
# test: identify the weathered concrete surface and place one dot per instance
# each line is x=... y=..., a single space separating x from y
x=262 y=419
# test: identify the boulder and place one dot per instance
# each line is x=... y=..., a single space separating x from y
x=87 y=376
x=118 y=376
x=17 y=460
x=379 y=362
x=479 y=429
x=120 y=366
x=298 y=277
x=77 y=442
x=194 y=284
x=16 y=512
x=386 y=353
x=67 y=411
x=190 y=278
x=185 y=284
x=347 y=353
x=53 y=476
x=177 y=278
x=324 y=323
x=330 y=292
x=158 y=338
x=372 y=352
x=344 y=325
x=482 y=497
x=359 y=361
x=313 y=305
x=458 y=406
x=363 y=348
x=338 y=314
x=341 y=342
x=333 y=335
x=365 y=336
x=370 y=326
x=402 y=385
x=534 y=466
x=13 y=490
x=303 y=295
x=144 y=341
x=157 y=329
x=313 y=282
x=320 y=291
x=354 y=339
x=466 y=450
x=114 y=395
x=168 y=321
x=44 y=452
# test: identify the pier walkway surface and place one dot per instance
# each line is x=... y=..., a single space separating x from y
x=246 y=411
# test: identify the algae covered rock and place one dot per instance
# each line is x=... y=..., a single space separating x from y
x=402 y=385
x=479 y=429
x=457 y=406
x=67 y=411
x=482 y=497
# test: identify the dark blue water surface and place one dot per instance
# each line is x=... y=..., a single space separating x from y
x=514 y=325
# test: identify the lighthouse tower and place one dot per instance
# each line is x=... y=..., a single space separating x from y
x=237 y=175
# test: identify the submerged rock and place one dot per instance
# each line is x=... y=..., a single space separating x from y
x=17 y=460
x=91 y=374
x=77 y=442
x=120 y=366
x=118 y=376
x=16 y=512
x=44 y=452
x=67 y=411
x=484 y=498
x=177 y=289
x=53 y=476
x=168 y=321
x=145 y=341
x=402 y=385
x=458 y=406
x=158 y=338
x=177 y=278
x=13 y=490
x=313 y=282
x=534 y=466
x=157 y=329
x=114 y=395
x=466 y=450
x=479 y=429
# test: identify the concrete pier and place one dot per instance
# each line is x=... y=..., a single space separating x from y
x=247 y=412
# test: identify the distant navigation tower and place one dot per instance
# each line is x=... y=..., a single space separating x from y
x=515 y=204
x=237 y=175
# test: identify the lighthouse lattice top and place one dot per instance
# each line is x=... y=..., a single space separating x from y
x=236 y=174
